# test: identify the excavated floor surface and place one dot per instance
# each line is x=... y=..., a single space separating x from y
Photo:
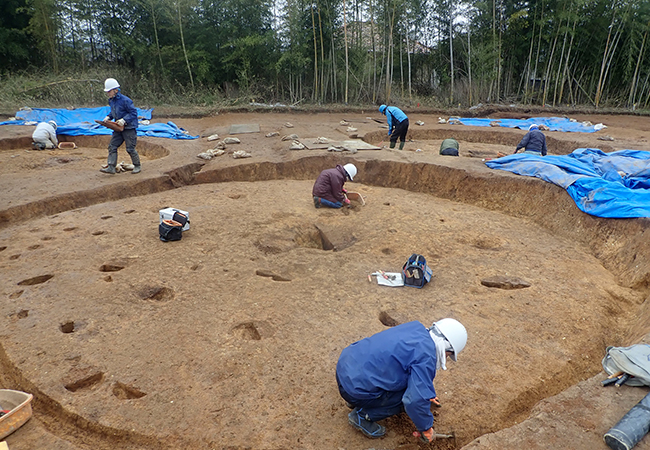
x=229 y=338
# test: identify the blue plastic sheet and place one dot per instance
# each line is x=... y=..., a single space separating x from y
x=612 y=185
x=81 y=122
x=553 y=124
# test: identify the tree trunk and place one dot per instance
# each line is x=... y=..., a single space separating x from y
x=180 y=27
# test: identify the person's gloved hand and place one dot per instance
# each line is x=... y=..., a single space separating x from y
x=425 y=436
x=346 y=201
x=436 y=402
x=106 y=119
x=345 y=191
x=121 y=122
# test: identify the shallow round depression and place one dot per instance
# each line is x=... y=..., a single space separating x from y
x=17 y=156
x=230 y=336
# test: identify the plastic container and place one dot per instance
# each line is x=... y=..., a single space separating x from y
x=631 y=428
x=168 y=214
x=20 y=406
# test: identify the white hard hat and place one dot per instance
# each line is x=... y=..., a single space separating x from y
x=110 y=84
x=454 y=332
x=533 y=127
x=351 y=170
x=53 y=123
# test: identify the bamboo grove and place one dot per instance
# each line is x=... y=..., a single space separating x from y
x=448 y=52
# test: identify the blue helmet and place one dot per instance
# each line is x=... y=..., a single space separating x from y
x=382 y=108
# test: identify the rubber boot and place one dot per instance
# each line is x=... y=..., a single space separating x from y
x=392 y=144
x=135 y=160
x=401 y=145
x=109 y=169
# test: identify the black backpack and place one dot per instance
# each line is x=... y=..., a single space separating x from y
x=172 y=230
x=416 y=271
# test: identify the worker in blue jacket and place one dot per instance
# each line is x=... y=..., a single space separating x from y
x=398 y=124
x=123 y=113
x=534 y=142
x=393 y=371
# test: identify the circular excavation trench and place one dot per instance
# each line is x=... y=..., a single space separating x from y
x=230 y=336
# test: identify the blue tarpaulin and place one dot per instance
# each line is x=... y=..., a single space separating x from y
x=612 y=185
x=81 y=122
x=553 y=124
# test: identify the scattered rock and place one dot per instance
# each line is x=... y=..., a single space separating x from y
x=351 y=129
x=321 y=140
x=290 y=137
x=454 y=122
x=273 y=276
x=241 y=154
x=504 y=282
x=213 y=137
x=344 y=123
x=543 y=127
x=441 y=120
x=495 y=123
x=231 y=140
x=288 y=125
x=605 y=138
x=123 y=167
x=220 y=145
x=297 y=145
x=419 y=122
x=272 y=134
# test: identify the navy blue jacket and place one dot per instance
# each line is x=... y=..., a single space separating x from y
x=533 y=140
x=122 y=108
x=401 y=358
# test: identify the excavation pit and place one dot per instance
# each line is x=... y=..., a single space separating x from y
x=235 y=340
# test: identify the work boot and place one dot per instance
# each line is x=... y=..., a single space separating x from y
x=316 y=202
x=371 y=429
x=392 y=144
x=401 y=145
x=109 y=169
x=137 y=169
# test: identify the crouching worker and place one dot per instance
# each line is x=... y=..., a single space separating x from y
x=393 y=371
x=534 y=142
x=123 y=113
x=328 y=189
x=398 y=124
x=44 y=136
x=449 y=147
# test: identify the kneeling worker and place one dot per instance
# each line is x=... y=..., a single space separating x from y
x=534 y=142
x=449 y=147
x=394 y=370
x=398 y=124
x=44 y=136
x=328 y=189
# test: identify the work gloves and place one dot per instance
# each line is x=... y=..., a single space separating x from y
x=346 y=201
x=121 y=122
x=106 y=119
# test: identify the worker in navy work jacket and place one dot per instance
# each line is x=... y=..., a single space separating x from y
x=328 y=189
x=534 y=142
x=123 y=113
x=398 y=124
x=393 y=371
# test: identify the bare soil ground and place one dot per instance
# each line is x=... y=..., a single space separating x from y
x=229 y=338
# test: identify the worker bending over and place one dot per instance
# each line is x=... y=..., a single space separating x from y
x=44 y=136
x=534 y=142
x=394 y=370
x=328 y=189
x=449 y=147
x=398 y=124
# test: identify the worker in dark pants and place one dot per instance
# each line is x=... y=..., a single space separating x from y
x=398 y=124
x=534 y=142
x=123 y=113
x=449 y=147
x=393 y=371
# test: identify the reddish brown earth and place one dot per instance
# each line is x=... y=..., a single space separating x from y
x=229 y=338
